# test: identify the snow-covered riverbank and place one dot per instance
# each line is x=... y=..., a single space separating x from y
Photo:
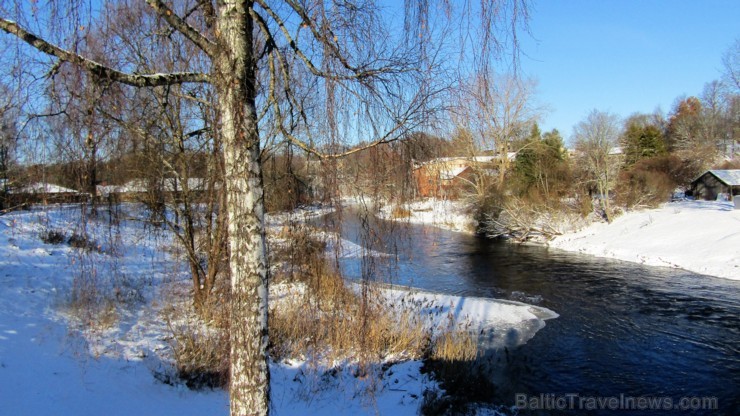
x=449 y=215
x=699 y=236
x=48 y=367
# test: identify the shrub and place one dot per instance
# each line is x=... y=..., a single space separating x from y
x=53 y=237
x=76 y=240
x=651 y=181
x=84 y=242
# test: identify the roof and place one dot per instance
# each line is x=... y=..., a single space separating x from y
x=141 y=186
x=729 y=177
x=456 y=159
x=44 y=188
x=449 y=174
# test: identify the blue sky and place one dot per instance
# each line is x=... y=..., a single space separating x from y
x=624 y=56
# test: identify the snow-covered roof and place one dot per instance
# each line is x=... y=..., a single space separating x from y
x=44 y=188
x=194 y=184
x=132 y=186
x=479 y=159
x=449 y=174
x=730 y=177
x=457 y=159
x=141 y=186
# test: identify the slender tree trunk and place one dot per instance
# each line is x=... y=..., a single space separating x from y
x=235 y=82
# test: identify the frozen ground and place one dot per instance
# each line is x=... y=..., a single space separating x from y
x=51 y=363
x=699 y=236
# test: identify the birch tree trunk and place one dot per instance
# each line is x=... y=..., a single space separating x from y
x=235 y=82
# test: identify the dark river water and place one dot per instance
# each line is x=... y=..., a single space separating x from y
x=624 y=330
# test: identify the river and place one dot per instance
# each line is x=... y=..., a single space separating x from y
x=624 y=330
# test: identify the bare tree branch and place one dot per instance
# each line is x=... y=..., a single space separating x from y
x=356 y=73
x=205 y=44
x=98 y=70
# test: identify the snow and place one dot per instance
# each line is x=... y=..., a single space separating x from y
x=301 y=214
x=699 y=236
x=53 y=363
x=47 y=369
x=44 y=188
x=141 y=186
x=442 y=213
x=728 y=177
x=503 y=323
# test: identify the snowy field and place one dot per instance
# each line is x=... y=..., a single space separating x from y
x=53 y=363
x=46 y=366
x=699 y=236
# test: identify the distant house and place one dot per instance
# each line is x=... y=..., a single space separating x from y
x=46 y=193
x=447 y=176
x=710 y=184
x=138 y=189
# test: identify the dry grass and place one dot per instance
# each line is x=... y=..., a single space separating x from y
x=320 y=317
x=90 y=300
x=199 y=340
x=314 y=316
x=336 y=324
x=200 y=351
x=455 y=345
x=400 y=212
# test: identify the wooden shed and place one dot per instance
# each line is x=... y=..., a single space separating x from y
x=710 y=184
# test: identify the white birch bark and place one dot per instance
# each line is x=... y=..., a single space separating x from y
x=235 y=82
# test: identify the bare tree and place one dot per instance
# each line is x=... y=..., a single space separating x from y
x=597 y=141
x=731 y=63
x=8 y=143
x=82 y=137
x=499 y=109
x=267 y=62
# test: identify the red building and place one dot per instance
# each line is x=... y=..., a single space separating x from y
x=448 y=177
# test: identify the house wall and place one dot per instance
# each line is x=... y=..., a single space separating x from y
x=429 y=183
x=707 y=187
x=432 y=181
x=426 y=184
